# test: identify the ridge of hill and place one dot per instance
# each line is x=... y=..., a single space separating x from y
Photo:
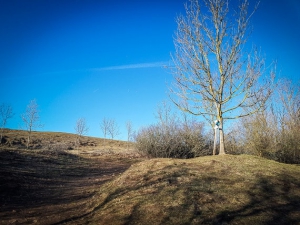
x=16 y=139
x=206 y=190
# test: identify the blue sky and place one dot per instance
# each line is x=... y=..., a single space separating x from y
x=96 y=59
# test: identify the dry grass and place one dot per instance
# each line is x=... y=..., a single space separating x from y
x=64 y=141
x=208 y=190
x=94 y=187
x=45 y=185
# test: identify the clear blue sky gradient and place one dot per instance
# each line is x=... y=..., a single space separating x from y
x=96 y=59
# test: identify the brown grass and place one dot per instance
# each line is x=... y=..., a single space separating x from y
x=16 y=139
x=208 y=190
x=48 y=187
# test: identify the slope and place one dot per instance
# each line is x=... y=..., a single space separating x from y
x=17 y=139
x=209 y=190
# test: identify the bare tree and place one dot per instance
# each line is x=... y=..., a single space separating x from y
x=6 y=112
x=129 y=132
x=215 y=76
x=110 y=127
x=113 y=129
x=105 y=126
x=31 y=119
x=81 y=128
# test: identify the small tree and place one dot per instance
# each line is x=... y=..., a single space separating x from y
x=105 y=126
x=81 y=128
x=31 y=119
x=113 y=129
x=129 y=132
x=6 y=113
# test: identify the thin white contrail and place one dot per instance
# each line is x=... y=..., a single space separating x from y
x=132 y=66
x=122 y=67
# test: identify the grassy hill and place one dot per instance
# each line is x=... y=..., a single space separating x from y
x=16 y=139
x=105 y=182
x=209 y=190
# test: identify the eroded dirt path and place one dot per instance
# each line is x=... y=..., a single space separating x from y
x=42 y=187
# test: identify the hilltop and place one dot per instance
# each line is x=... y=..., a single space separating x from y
x=208 y=190
x=59 y=141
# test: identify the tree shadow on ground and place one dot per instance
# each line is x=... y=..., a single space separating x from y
x=150 y=199
x=271 y=202
x=179 y=194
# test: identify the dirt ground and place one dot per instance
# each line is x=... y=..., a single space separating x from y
x=50 y=187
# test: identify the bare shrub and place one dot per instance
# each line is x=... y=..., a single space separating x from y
x=258 y=135
x=172 y=137
x=274 y=133
x=288 y=123
x=60 y=146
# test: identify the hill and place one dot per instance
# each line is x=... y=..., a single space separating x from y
x=208 y=190
x=56 y=141
x=55 y=180
x=107 y=182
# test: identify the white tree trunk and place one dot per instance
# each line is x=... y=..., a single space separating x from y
x=222 y=145
x=215 y=142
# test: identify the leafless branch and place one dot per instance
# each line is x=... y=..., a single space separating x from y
x=214 y=74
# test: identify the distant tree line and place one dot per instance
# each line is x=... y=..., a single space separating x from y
x=273 y=133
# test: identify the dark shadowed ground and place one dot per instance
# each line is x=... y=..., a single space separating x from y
x=46 y=187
